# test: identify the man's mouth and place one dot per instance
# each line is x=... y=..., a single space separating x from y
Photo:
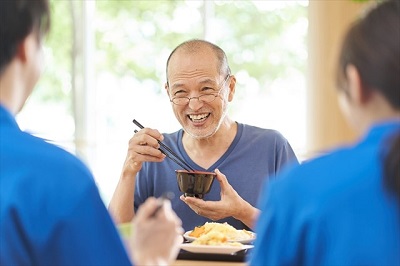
x=199 y=117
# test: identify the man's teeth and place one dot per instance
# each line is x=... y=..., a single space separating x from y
x=198 y=117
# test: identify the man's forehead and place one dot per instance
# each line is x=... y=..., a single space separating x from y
x=192 y=64
x=200 y=54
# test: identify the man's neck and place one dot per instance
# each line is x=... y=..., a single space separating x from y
x=207 y=151
x=376 y=110
x=12 y=95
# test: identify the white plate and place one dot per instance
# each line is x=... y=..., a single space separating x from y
x=213 y=249
x=243 y=241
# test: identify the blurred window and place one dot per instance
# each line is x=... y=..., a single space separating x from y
x=102 y=75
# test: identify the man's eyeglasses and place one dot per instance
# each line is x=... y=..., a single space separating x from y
x=206 y=98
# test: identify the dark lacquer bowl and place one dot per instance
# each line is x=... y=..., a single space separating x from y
x=194 y=184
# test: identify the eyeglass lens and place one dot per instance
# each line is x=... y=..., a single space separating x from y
x=204 y=97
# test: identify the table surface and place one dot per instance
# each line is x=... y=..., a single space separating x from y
x=207 y=263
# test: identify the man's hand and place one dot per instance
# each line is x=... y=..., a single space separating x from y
x=156 y=234
x=143 y=147
x=230 y=204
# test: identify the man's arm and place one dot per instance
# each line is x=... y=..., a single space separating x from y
x=143 y=147
x=121 y=205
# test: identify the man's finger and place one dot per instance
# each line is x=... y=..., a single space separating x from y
x=222 y=179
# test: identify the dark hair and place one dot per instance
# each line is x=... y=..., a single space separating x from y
x=372 y=45
x=391 y=164
x=194 y=45
x=18 y=18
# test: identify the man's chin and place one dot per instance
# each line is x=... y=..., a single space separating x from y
x=199 y=135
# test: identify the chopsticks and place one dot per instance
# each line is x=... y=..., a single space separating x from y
x=168 y=152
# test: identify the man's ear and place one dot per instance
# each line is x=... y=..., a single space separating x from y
x=21 y=53
x=166 y=88
x=358 y=93
x=27 y=47
x=232 y=87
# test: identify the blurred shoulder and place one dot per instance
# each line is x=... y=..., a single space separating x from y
x=47 y=156
x=316 y=176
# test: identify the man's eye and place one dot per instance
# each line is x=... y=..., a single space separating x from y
x=179 y=93
x=208 y=90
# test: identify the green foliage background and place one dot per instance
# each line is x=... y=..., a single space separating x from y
x=55 y=85
x=131 y=36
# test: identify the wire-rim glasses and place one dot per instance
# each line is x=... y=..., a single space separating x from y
x=205 y=98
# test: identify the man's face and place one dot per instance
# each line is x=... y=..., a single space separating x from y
x=193 y=75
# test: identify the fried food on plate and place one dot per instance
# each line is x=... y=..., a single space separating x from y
x=219 y=234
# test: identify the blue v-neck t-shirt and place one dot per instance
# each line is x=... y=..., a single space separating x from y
x=255 y=155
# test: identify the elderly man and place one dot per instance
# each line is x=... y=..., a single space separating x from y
x=200 y=86
x=51 y=212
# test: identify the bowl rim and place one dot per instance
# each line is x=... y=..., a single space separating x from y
x=196 y=172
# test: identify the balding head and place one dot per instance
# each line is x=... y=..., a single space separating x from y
x=194 y=46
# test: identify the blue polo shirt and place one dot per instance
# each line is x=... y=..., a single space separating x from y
x=334 y=210
x=51 y=212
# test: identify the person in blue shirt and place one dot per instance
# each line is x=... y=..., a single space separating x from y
x=344 y=207
x=200 y=86
x=51 y=212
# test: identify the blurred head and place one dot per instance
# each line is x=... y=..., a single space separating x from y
x=372 y=46
x=23 y=24
x=19 y=18
x=196 y=68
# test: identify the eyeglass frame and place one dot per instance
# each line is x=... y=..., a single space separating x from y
x=199 y=97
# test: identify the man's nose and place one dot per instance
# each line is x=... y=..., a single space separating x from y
x=195 y=103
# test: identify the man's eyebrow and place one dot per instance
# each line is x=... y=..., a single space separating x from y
x=176 y=86
x=208 y=81
x=203 y=82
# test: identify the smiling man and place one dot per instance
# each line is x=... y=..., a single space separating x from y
x=200 y=86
